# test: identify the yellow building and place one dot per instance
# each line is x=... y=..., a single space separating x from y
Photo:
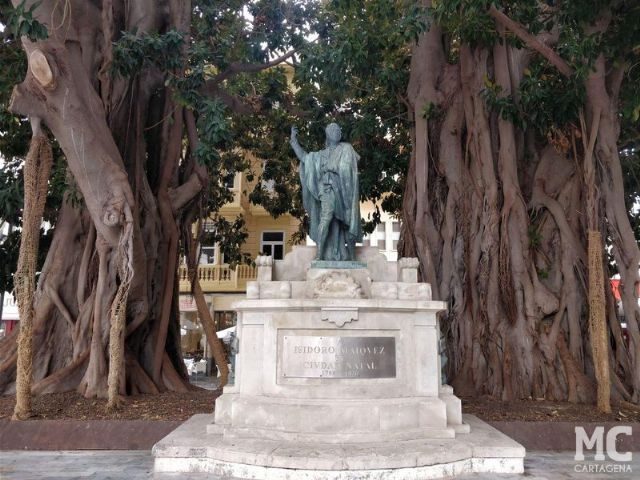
x=221 y=284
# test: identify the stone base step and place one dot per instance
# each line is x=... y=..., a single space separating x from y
x=190 y=449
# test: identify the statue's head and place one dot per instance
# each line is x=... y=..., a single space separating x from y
x=334 y=133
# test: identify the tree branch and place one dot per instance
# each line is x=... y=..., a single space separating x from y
x=59 y=303
x=235 y=103
x=241 y=67
x=192 y=132
x=183 y=194
x=239 y=106
x=531 y=41
x=614 y=81
x=194 y=141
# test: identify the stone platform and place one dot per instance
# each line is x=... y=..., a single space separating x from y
x=338 y=375
x=191 y=449
x=136 y=465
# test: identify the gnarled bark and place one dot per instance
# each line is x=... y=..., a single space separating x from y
x=496 y=216
x=121 y=242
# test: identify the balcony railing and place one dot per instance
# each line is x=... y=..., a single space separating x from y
x=219 y=278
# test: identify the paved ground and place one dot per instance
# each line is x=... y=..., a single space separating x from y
x=129 y=465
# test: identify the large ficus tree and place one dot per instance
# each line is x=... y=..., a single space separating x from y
x=517 y=108
x=152 y=104
x=513 y=112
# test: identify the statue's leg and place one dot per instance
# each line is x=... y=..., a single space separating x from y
x=351 y=247
x=326 y=216
x=341 y=233
x=321 y=240
x=336 y=241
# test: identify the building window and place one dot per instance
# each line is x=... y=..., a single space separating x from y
x=395 y=234
x=209 y=226
x=272 y=243
x=208 y=255
x=381 y=236
x=229 y=180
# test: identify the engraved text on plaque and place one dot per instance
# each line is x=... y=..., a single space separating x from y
x=338 y=357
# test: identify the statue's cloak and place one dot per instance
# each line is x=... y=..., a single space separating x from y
x=342 y=165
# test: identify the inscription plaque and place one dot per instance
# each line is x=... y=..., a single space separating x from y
x=338 y=357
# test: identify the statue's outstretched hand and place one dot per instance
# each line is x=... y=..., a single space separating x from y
x=293 y=141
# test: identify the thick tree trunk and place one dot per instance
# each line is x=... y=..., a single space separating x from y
x=495 y=214
x=602 y=101
x=127 y=210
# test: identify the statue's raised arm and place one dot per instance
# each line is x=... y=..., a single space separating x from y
x=299 y=151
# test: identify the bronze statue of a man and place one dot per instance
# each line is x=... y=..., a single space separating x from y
x=330 y=194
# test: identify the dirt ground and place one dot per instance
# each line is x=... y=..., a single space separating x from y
x=542 y=410
x=70 y=405
x=181 y=406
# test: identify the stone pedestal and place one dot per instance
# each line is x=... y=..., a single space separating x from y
x=338 y=373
